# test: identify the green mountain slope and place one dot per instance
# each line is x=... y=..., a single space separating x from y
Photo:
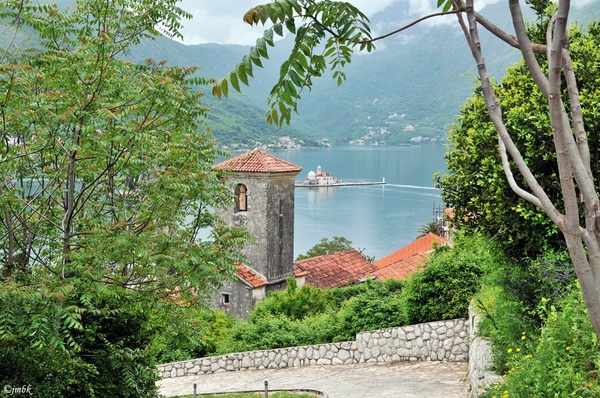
x=413 y=85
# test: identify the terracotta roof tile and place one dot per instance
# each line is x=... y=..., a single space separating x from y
x=402 y=268
x=421 y=245
x=251 y=277
x=258 y=162
x=335 y=269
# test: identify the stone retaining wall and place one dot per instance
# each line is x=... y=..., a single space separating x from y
x=435 y=341
x=480 y=358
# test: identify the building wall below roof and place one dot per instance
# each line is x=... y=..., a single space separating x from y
x=241 y=299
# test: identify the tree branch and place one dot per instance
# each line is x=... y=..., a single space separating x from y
x=495 y=112
x=437 y=14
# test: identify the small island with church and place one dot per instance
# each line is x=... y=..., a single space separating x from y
x=324 y=179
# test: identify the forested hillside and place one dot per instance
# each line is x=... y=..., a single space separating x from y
x=412 y=85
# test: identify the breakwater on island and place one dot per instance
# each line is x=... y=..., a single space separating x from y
x=339 y=184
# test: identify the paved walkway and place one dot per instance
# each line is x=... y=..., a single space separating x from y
x=383 y=380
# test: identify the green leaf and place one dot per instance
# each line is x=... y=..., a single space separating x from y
x=268 y=34
x=225 y=87
x=290 y=24
x=287 y=98
x=291 y=89
x=274 y=117
x=255 y=57
x=247 y=62
x=234 y=81
x=241 y=71
x=301 y=62
x=297 y=80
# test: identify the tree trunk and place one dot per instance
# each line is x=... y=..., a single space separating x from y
x=572 y=155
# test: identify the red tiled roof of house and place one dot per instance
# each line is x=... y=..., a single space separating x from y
x=251 y=277
x=335 y=269
x=258 y=162
x=402 y=268
x=421 y=245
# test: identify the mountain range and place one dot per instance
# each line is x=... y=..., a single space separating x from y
x=410 y=89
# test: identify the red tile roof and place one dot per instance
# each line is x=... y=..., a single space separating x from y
x=335 y=269
x=341 y=268
x=251 y=277
x=421 y=245
x=402 y=268
x=258 y=162
x=407 y=260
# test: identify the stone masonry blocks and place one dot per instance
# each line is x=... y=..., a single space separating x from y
x=433 y=341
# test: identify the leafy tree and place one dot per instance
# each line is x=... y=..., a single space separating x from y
x=329 y=31
x=106 y=183
x=326 y=246
x=482 y=200
x=425 y=229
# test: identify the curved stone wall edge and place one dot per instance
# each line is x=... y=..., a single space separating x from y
x=480 y=358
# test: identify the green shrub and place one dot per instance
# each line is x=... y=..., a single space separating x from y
x=505 y=320
x=379 y=306
x=369 y=311
x=55 y=374
x=307 y=316
x=512 y=295
x=276 y=331
x=564 y=361
x=553 y=274
x=336 y=297
x=187 y=332
x=108 y=342
x=292 y=302
x=444 y=288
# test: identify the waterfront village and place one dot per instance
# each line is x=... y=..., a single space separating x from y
x=263 y=183
x=288 y=143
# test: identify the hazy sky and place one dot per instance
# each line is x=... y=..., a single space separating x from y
x=221 y=21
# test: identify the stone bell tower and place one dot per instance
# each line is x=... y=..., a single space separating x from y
x=264 y=205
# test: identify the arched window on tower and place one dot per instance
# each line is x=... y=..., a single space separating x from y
x=241 y=198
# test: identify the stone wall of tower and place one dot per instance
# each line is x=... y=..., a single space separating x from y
x=270 y=218
x=280 y=227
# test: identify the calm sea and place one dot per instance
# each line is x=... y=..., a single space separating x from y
x=379 y=219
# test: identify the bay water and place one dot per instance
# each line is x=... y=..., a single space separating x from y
x=379 y=219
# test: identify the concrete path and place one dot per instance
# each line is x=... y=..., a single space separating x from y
x=383 y=380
